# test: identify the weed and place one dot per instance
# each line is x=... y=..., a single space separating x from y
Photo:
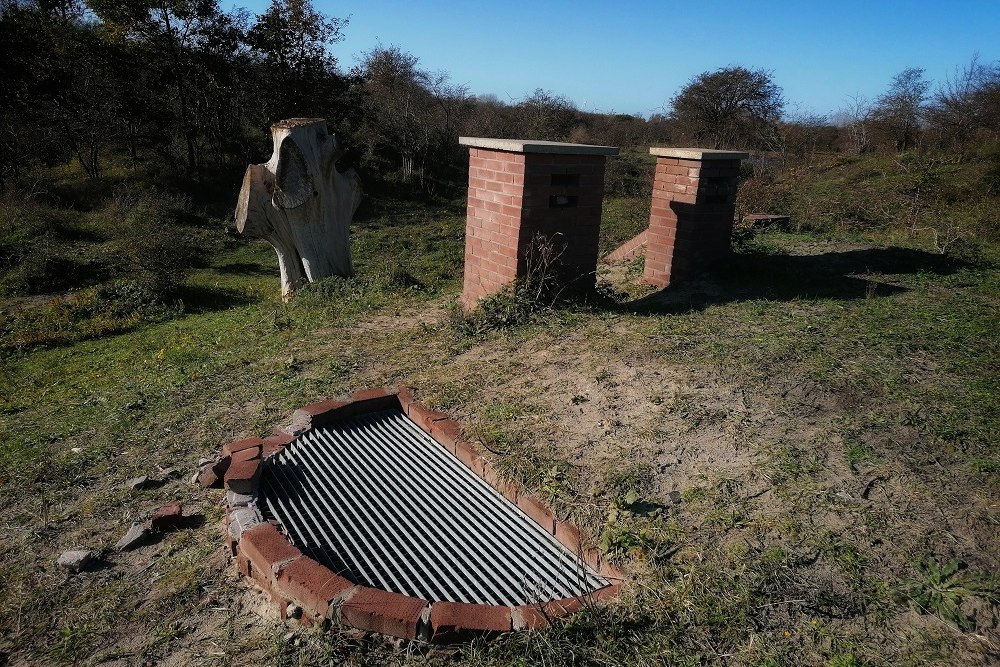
x=535 y=292
x=858 y=452
x=940 y=590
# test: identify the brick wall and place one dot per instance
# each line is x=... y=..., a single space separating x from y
x=516 y=195
x=691 y=217
x=493 y=221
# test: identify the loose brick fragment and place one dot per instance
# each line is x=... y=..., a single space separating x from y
x=248 y=454
x=242 y=476
x=239 y=445
x=167 y=517
x=208 y=476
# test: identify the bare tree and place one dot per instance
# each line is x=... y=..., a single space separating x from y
x=855 y=119
x=546 y=115
x=959 y=106
x=898 y=112
x=410 y=113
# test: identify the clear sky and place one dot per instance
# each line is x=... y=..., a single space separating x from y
x=631 y=57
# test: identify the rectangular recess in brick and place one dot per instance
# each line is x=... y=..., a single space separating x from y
x=691 y=217
x=521 y=189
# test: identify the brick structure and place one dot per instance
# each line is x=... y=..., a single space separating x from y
x=520 y=189
x=293 y=580
x=691 y=218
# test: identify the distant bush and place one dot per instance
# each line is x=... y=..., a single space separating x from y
x=937 y=199
x=629 y=175
x=33 y=260
x=155 y=250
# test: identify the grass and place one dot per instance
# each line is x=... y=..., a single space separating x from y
x=766 y=452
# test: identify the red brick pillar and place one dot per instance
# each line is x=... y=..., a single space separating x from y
x=691 y=219
x=520 y=189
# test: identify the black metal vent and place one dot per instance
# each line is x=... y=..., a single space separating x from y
x=378 y=501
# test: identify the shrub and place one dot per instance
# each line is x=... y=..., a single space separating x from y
x=32 y=260
x=154 y=250
x=537 y=291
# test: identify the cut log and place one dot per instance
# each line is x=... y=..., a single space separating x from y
x=301 y=204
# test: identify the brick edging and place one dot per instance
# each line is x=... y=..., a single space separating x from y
x=305 y=589
x=634 y=247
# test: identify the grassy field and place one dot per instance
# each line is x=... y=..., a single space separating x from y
x=795 y=459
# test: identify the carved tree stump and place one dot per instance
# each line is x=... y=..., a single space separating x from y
x=301 y=204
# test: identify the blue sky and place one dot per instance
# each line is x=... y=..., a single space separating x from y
x=631 y=57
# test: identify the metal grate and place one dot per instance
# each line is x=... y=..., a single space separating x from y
x=375 y=499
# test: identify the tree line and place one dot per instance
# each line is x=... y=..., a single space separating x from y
x=182 y=85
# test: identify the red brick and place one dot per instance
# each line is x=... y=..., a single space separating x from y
x=168 y=517
x=311 y=585
x=460 y=621
x=569 y=536
x=540 y=614
x=447 y=432
x=322 y=407
x=273 y=445
x=242 y=564
x=606 y=593
x=405 y=397
x=489 y=473
x=319 y=414
x=239 y=445
x=466 y=454
x=538 y=512
x=208 y=478
x=509 y=489
x=267 y=549
x=381 y=611
x=528 y=617
x=371 y=394
x=242 y=476
x=248 y=454
x=423 y=416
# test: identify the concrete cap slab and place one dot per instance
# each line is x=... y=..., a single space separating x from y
x=697 y=153
x=532 y=146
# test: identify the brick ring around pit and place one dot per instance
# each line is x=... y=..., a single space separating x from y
x=313 y=593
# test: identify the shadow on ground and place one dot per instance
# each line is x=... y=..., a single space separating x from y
x=203 y=299
x=245 y=269
x=846 y=275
